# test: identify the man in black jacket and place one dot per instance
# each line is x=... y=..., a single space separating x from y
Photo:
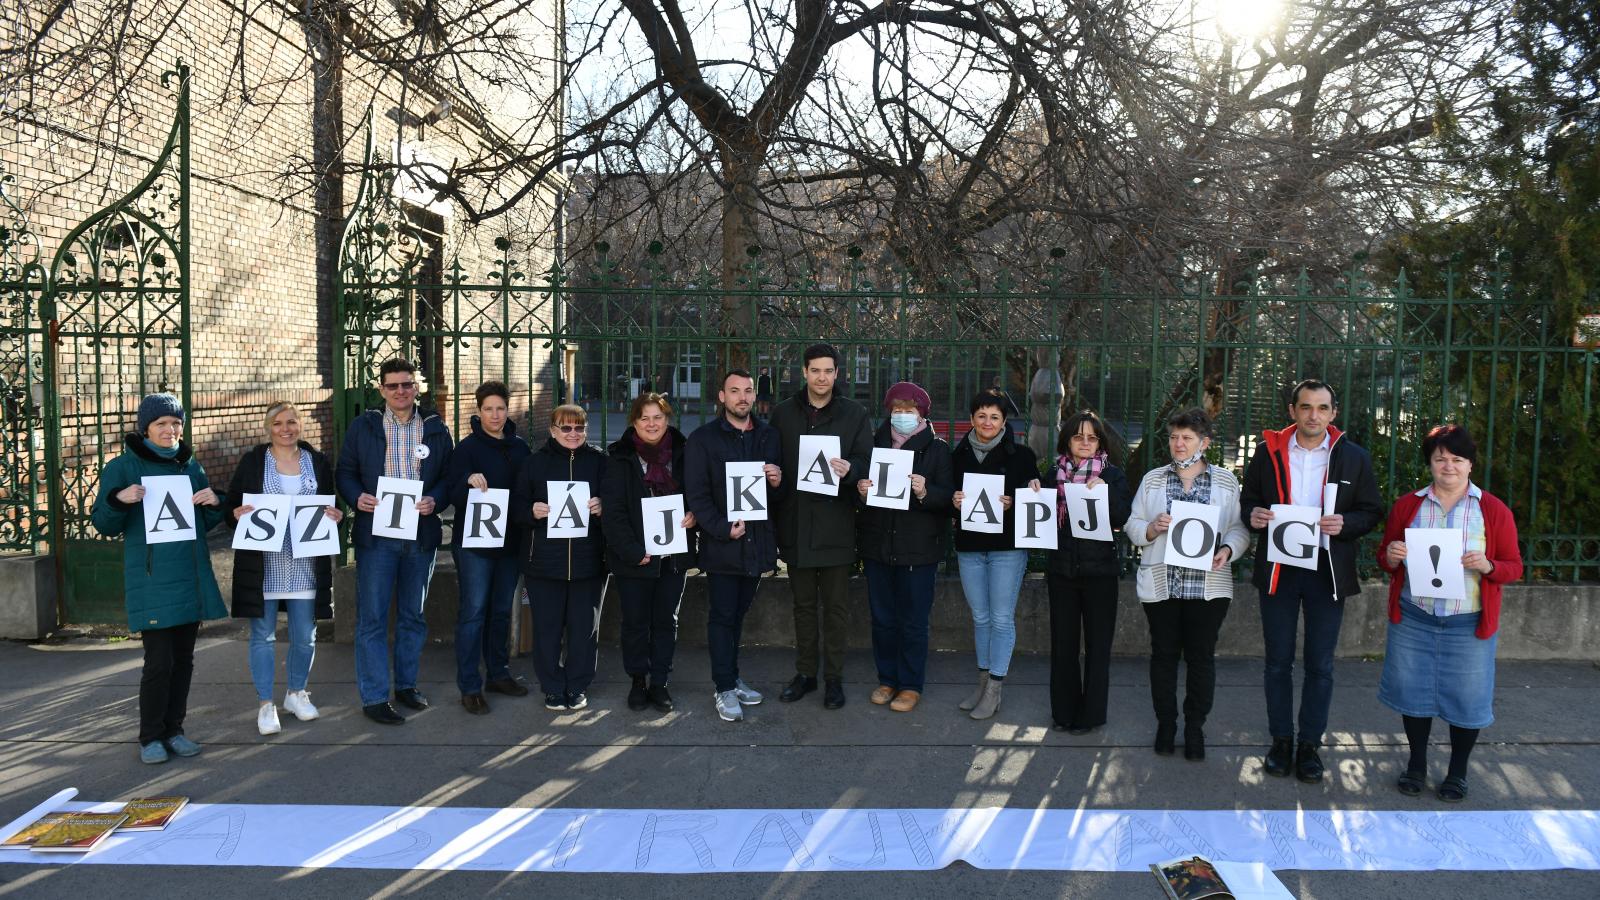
x=1292 y=466
x=817 y=532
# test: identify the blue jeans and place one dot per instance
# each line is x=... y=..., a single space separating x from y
x=390 y=572
x=1311 y=592
x=488 y=585
x=901 y=597
x=728 y=599
x=991 y=580
x=302 y=644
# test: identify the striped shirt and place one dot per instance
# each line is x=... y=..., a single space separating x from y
x=1467 y=516
x=284 y=575
x=402 y=440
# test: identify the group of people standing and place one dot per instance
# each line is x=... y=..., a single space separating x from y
x=1440 y=660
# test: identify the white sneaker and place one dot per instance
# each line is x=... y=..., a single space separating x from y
x=267 y=719
x=747 y=695
x=728 y=706
x=299 y=703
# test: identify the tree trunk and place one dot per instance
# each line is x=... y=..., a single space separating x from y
x=740 y=165
x=327 y=141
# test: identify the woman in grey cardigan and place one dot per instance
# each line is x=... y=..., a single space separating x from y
x=1185 y=607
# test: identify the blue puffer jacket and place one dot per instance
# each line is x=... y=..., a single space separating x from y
x=711 y=447
x=361 y=465
x=497 y=460
x=559 y=559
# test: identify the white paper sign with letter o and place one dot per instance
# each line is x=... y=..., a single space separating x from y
x=313 y=533
x=664 y=534
x=890 y=474
x=816 y=476
x=1192 y=537
x=1433 y=563
x=483 y=522
x=263 y=527
x=1292 y=535
x=981 y=509
x=1035 y=526
x=168 y=509
x=396 y=515
x=746 y=496
x=569 y=509
x=1089 y=511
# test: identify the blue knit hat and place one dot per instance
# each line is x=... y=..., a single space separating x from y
x=154 y=406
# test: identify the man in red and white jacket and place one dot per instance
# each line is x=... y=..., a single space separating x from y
x=1293 y=466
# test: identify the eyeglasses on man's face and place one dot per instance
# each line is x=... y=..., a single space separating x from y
x=401 y=386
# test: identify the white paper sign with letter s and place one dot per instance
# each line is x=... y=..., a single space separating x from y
x=262 y=528
x=569 y=509
x=1035 y=526
x=1089 y=511
x=890 y=474
x=664 y=534
x=483 y=522
x=746 y=496
x=816 y=476
x=396 y=515
x=1192 y=537
x=169 y=514
x=313 y=534
x=1433 y=563
x=1292 y=535
x=980 y=503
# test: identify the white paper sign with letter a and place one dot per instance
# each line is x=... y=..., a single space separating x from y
x=1292 y=535
x=890 y=474
x=980 y=503
x=1036 y=519
x=262 y=528
x=314 y=533
x=1433 y=563
x=1192 y=537
x=483 y=522
x=569 y=509
x=396 y=515
x=816 y=476
x=168 y=509
x=664 y=534
x=746 y=496
x=1089 y=511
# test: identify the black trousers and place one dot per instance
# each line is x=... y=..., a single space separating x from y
x=1083 y=620
x=164 y=683
x=824 y=590
x=728 y=599
x=1187 y=630
x=565 y=611
x=650 y=624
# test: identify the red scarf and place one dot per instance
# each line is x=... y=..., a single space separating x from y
x=657 y=459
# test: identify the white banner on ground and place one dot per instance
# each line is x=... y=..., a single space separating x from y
x=169 y=514
x=396 y=515
x=262 y=527
x=816 y=475
x=314 y=533
x=823 y=840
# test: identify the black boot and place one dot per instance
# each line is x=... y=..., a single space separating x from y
x=1194 y=743
x=1307 y=764
x=1280 y=759
x=638 y=696
x=1166 y=738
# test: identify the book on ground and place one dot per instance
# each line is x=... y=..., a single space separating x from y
x=80 y=833
x=24 y=839
x=151 y=813
x=1191 y=878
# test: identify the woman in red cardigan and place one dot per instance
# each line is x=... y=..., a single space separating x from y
x=1440 y=656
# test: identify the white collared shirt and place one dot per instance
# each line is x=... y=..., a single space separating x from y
x=1308 y=469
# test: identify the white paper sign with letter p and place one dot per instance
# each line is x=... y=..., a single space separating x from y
x=262 y=528
x=980 y=503
x=483 y=522
x=1292 y=535
x=313 y=534
x=663 y=525
x=1192 y=536
x=396 y=515
x=1036 y=519
x=745 y=499
x=569 y=509
x=169 y=514
x=890 y=474
x=1089 y=511
x=1433 y=563
x=816 y=476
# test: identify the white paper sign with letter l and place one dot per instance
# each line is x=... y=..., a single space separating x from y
x=1089 y=511
x=569 y=509
x=664 y=534
x=262 y=528
x=169 y=513
x=890 y=474
x=314 y=533
x=483 y=522
x=396 y=515
x=1036 y=519
x=1192 y=537
x=816 y=476
x=981 y=510
x=1292 y=535
x=1433 y=563
x=746 y=496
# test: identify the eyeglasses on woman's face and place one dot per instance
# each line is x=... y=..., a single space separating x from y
x=569 y=429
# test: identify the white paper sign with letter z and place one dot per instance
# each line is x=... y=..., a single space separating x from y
x=313 y=534
x=746 y=496
x=169 y=514
x=1192 y=537
x=483 y=522
x=396 y=515
x=816 y=476
x=569 y=509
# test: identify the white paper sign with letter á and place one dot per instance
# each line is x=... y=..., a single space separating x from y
x=816 y=476
x=263 y=527
x=1433 y=563
x=483 y=522
x=313 y=534
x=746 y=496
x=569 y=509
x=664 y=534
x=1089 y=511
x=1192 y=537
x=980 y=503
x=1035 y=527
x=169 y=514
x=1292 y=535
x=396 y=515
x=890 y=474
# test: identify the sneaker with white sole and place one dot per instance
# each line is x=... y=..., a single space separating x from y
x=748 y=696
x=267 y=719
x=299 y=703
x=728 y=706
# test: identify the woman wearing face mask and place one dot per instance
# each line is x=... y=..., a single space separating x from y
x=902 y=548
x=1185 y=607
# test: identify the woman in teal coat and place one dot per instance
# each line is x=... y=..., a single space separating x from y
x=168 y=588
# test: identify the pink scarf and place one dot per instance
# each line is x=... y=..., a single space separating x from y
x=898 y=440
x=1067 y=473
